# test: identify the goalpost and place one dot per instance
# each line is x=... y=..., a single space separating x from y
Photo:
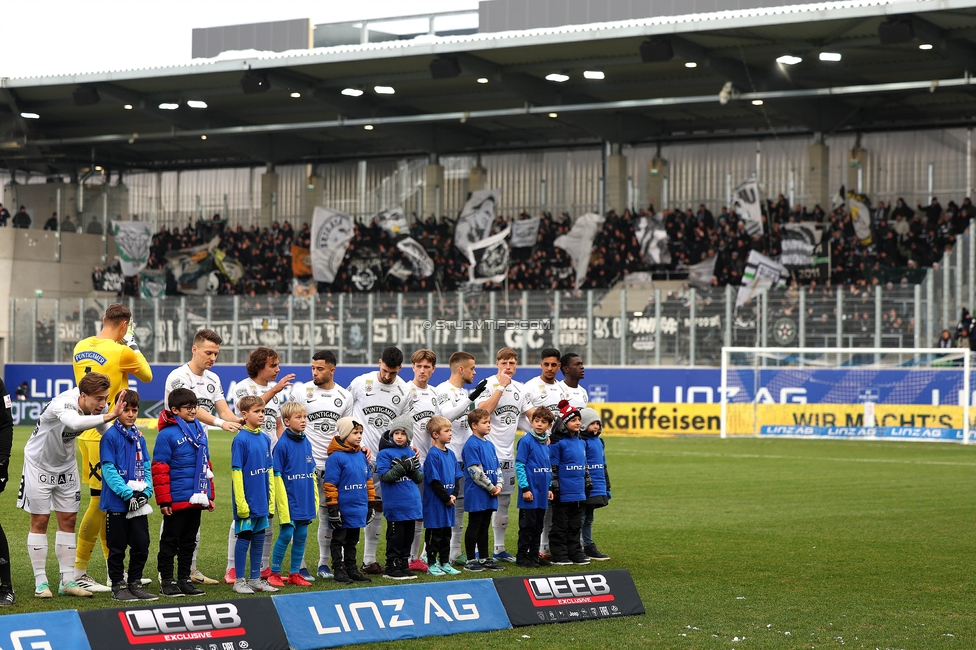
x=873 y=393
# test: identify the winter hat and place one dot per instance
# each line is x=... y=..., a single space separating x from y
x=344 y=427
x=402 y=423
x=588 y=417
x=566 y=411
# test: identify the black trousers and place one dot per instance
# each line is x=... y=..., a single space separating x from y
x=438 y=543
x=343 y=547
x=178 y=540
x=4 y=559
x=476 y=534
x=531 y=523
x=564 y=536
x=122 y=533
x=399 y=537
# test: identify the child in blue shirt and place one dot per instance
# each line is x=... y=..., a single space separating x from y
x=596 y=465
x=253 y=488
x=296 y=495
x=126 y=490
x=442 y=479
x=481 y=493
x=399 y=470
x=570 y=484
x=533 y=471
x=349 y=498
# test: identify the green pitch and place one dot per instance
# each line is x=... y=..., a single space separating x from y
x=742 y=543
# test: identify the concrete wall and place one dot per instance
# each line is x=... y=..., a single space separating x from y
x=93 y=202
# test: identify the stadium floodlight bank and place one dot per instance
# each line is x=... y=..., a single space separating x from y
x=847 y=393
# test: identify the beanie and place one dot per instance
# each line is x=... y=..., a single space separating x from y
x=566 y=411
x=403 y=423
x=344 y=427
x=588 y=417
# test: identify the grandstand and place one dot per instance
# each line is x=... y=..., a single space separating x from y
x=649 y=118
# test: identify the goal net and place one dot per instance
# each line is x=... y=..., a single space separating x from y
x=890 y=393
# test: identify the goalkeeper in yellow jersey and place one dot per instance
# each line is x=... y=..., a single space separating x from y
x=114 y=353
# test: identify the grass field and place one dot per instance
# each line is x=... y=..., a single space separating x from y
x=741 y=543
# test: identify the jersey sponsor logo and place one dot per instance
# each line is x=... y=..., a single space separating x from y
x=378 y=416
x=177 y=383
x=299 y=477
x=203 y=402
x=507 y=415
x=259 y=471
x=574 y=468
x=90 y=356
x=56 y=479
x=354 y=486
x=423 y=416
x=173 y=624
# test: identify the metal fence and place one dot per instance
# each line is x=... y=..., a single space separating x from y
x=606 y=327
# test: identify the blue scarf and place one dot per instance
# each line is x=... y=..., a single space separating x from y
x=197 y=436
x=134 y=462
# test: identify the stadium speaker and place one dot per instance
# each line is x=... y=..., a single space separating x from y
x=893 y=32
x=445 y=68
x=656 y=51
x=86 y=96
x=254 y=83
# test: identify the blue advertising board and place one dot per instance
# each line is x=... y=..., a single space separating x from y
x=59 y=630
x=864 y=433
x=327 y=619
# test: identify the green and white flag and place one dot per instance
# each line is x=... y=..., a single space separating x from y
x=132 y=240
x=760 y=273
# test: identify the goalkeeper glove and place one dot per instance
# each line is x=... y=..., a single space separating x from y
x=130 y=339
x=335 y=518
x=137 y=500
x=478 y=390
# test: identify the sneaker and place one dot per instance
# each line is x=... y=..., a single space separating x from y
x=242 y=587
x=7 y=596
x=561 y=561
x=473 y=565
x=396 y=573
x=340 y=575
x=526 y=562
x=448 y=569
x=594 y=553
x=230 y=578
x=43 y=591
x=436 y=571
x=186 y=586
x=354 y=574
x=71 y=588
x=260 y=585
x=581 y=560
x=324 y=572
x=545 y=559
x=304 y=573
x=461 y=559
x=418 y=565
x=125 y=577
x=198 y=578
x=504 y=556
x=137 y=592
x=373 y=568
x=275 y=580
x=298 y=580
x=491 y=565
x=265 y=573
x=92 y=585
x=170 y=589
x=123 y=594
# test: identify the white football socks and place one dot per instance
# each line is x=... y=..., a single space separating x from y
x=64 y=548
x=37 y=552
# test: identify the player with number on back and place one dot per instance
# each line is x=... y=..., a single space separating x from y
x=378 y=397
x=326 y=402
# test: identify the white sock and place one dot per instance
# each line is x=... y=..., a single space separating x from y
x=457 y=532
x=325 y=537
x=372 y=540
x=268 y=543
x=499 y=522
x=231 y=546
x=544 y=544
x=64 y=548
x=418 y=536
x=37 y=552
x=193 y=561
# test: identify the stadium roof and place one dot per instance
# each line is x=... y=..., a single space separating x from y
x=500 y=98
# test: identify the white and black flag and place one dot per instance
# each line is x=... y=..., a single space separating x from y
x=746 y=204
x=331 y=233
x=365 y=270
x=525 y=232
x=393 y=221
x=477 y=216
x=423 y=266
x=488 y=259
x=653 y=238
x=760 y=273
x=578 y=242
x=800 y=244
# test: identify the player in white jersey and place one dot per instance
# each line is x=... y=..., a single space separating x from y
x=50 y=481
x=325 y=402
x=212 y=408
x=377 y=398
x=452 y=397
x=572 y=368
x=545 y=390
x=507 y=402
x=262 y=381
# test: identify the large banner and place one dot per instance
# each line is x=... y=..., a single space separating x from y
x=532 y=600
x=760 y=273
x=423 y=266
x=132 y=241
x=746 y=204
x=488 y=259
x=525 y=232
x=578 y=242
x=477 y=215
x=393 y=221
x=331 y=233
x=60 y=630
x=801 y=243
x=194 y=268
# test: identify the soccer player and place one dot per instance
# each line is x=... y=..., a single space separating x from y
x=262 y=381
x=572 y=368
x=377 y=398
x=507 y=401
x=114 y=353
x=50 y=478
x=212 y=409
x=7 y=597
x=325 y=402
